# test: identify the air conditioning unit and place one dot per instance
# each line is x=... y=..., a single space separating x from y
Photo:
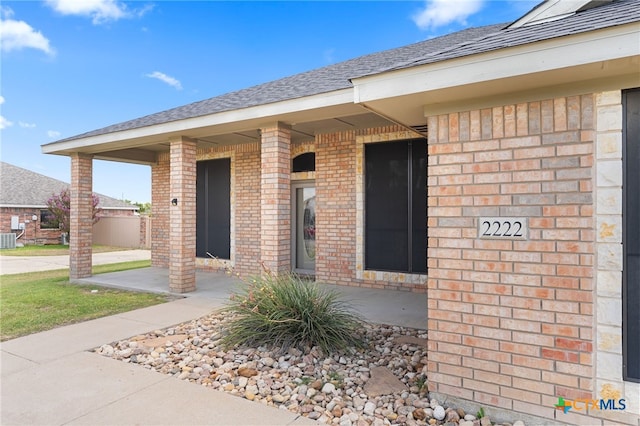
x=8 y=241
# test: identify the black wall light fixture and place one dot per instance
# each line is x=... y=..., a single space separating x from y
x=174 y=201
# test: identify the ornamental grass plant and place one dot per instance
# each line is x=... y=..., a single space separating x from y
x=286 y=311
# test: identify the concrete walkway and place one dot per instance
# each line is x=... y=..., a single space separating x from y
x=20 y=264
x=53 y=378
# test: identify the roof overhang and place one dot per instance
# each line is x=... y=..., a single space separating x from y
x=22 y=206
x=606 y=59
x=577 y=64
x=140 y=145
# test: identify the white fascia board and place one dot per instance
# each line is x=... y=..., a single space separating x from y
x=613 y=43
x=267 y=113
x=21 y=206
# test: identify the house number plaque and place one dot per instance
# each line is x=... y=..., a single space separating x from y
x=503 y=228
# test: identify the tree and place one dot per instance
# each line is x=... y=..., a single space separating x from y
x=60 y=206
x=143 y=208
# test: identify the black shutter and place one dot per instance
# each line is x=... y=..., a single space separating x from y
x=631 y=236
x=213 y=208
x=396 y=206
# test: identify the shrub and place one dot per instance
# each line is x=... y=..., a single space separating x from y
x=286 y=310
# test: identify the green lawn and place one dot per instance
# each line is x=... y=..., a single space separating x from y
x=53 y=250
x=40 y=301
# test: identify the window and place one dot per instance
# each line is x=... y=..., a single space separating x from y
x=631 y=235
x=48 y=220
x=396 y=206
x=304 y=163
x=213 y=208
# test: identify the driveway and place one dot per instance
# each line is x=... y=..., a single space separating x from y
x=20 y=264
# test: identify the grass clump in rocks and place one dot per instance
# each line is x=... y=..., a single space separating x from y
x=288 y=311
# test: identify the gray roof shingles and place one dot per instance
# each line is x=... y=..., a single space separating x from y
x=609 y=15
x=337 y=76
x=22 y=187
x=322 y=80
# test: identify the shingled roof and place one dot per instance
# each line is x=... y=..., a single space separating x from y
x=24 y=188
x=322 y=80
x=337 y=76
x=609 y=15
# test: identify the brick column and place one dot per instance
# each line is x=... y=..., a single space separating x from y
x=275 y=202
x=182 y=217
x=81 y=220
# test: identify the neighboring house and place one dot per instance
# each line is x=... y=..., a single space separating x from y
x=23 y=205
x=489 y=168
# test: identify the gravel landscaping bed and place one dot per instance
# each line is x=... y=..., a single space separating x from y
x=382 y=385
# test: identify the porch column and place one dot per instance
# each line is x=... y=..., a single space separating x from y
x=275 y=202
x=81 y=216
x=182 y=216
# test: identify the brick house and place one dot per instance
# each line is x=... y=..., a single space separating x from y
x=489 y=168
x=23 y=205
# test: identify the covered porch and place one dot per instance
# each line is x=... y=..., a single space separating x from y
x=258 y=180
x=380 y=306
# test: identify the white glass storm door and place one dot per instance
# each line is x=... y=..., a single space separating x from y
x=304 y=228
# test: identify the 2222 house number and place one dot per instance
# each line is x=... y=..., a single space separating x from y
x=503 y=228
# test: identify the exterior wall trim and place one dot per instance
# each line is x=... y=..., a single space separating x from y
x=608 y=378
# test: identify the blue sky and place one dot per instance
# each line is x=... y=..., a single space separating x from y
x=71 y=66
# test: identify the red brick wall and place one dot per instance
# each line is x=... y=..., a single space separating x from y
x=160 y=203
x=33 y=234
x=336 y=207
x=510 y=322
x=245 y=190
x=336 y=194
x=247 y=209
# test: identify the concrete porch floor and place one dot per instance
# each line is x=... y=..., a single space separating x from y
x=392 y=307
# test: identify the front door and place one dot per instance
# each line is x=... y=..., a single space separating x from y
x=304 y=228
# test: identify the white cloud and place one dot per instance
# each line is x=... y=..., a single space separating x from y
x=53 y=134
x=438 y=13
x=26 y=125
x=4 y=123
x=166 y=79
x=16 y=35
x=100 y=11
